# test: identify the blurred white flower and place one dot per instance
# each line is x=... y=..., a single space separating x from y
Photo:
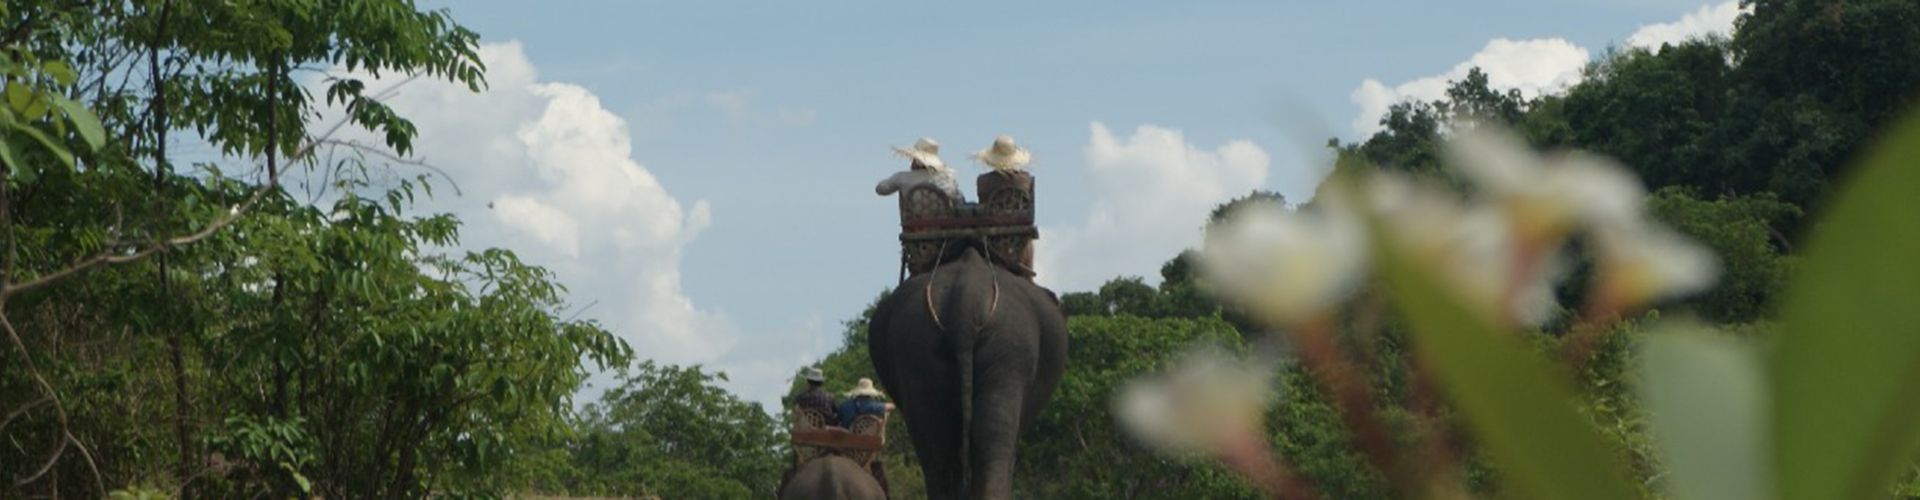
x=1205 y=400
x=1547 y=197
x=1474 y=246
x=1285 y=265
x=1641 y=263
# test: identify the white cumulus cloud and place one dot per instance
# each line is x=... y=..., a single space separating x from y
x=550 y=225
x=547 y=171
x=1709 y=19
x=1152 y=193
x=1535 y=67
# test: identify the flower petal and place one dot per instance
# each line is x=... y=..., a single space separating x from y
x=1204 y=399
x=1285 y=265
x=1647 y=262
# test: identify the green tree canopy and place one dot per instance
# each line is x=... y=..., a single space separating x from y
x=670 y=431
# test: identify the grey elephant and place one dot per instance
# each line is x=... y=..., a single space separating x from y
x=832 y=477
x=970 y=353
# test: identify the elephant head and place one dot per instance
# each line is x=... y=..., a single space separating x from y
x=970 y=352
x=832 y=477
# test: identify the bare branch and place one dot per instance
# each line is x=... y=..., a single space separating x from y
x=104 y=259
x=23 y=410
x=59 y=409
x=51 y=459
x=232 y=215
x=91 y=465
x=389 y=156
x=33 y=370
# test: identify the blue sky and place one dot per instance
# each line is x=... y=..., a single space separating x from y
x=701 y=172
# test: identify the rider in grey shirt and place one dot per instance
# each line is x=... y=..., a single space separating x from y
x=927 y=169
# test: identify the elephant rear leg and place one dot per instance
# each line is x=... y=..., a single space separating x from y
x=930 y=401
x=1000 y=396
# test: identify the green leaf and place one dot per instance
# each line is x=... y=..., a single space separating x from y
x=1706 y=396
x=1517 y=405
x=1846 y=381
x=83 y=120
x=19 y=96
x=306 y=485
x=60 y=71
x=36 y=109
x=17 y=170
x=59 y=150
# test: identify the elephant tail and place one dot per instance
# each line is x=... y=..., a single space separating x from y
x=965 y=334
x=965 y=362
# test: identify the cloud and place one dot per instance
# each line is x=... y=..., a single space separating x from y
x=550 y=225
x=548 y=172
x=1709 y=19
x=1152 y=192
x=1535 y=67
x=739 y=106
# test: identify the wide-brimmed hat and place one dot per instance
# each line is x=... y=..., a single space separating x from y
x=926 y=151
x=1004 y=154
x=813 y=375
x=865 y=388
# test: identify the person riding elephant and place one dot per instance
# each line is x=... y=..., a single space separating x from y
x=815 y=397
x=970 y=352
x=924 y=169
x=832 y=477
x=864 y=399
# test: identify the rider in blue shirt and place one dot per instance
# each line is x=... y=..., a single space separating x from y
x=864 y=399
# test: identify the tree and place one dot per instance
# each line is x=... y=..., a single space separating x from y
x=1081 y=449
x=1411 y=131
x=197 y=329
x=1473 y=100
x=1740 y=230
x=669 y=431
x=1657 y=113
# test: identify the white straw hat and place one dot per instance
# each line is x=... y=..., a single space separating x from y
x=926 y=151
x=814 y=375
x=865 y=388
x=1004 y=154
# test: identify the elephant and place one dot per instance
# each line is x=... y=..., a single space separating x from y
x=832 y=477
x=970 y=352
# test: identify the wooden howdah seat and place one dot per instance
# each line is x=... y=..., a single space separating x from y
x=932 y=223
x=814 y=437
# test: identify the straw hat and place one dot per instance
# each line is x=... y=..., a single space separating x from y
x=1004 y=155
x=865 y=388
x=814 y=375
x=926 y=151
